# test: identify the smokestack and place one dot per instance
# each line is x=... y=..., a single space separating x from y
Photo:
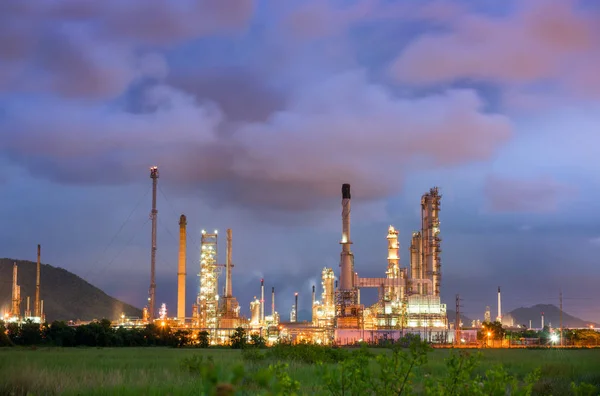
x=181 y=271
x=37 y=308
x=313 y=296
x=273 y=302
x=499 y=318
x=347 y=270
x=542 y=321
x=28 y=312
x=15 y=311
x=228 y=265
x=296 y=306
x=41 y=310
x=262 y=301
x=153 y=216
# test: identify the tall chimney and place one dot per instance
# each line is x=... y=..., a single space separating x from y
x=296 y=306
x=181 y=270
x=15 y=311
x=262 y=301
x=41 y=310
x=36 y=307
x=542 y=321
x=28 y=312
x=499 y=318
x=154 y=217
x=228 y=265
x=346 y=259
x=313 y=295
x=273 y=302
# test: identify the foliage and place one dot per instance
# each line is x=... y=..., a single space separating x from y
x=495 y=329
x=238 y=339
x=203 y=340
x=158 y=371
x=355 y=376
x=4 y=338
x=257 y=341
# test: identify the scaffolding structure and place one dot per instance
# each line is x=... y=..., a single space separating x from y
x=208 y=297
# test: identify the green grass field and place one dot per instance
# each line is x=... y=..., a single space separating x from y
x=157 y=371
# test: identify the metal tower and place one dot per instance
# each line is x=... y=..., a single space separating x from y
x=208 y=298
x=154 y=218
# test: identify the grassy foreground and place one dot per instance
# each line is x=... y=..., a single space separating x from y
x=158 y=371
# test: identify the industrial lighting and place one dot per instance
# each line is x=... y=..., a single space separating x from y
x=204 y=231
x=554 y=338
x=216 y=231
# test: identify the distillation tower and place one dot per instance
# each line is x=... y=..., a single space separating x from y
x=208 y=298
x=230 y=309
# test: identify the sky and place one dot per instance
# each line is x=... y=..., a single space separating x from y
x=256 y=111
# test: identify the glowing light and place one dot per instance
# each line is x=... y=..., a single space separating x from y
x=489 y=334
x=216 y=231
x=554 y=338
x=203 y=231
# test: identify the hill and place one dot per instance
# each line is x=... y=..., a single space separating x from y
x=66 y=296
x=466 y=321
x=551 y=317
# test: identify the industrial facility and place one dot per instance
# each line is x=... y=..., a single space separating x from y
x=16 y=314
x=408 y=296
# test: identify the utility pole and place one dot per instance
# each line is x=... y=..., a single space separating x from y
x=457 y=321
x=561 y=315
x=153 y=217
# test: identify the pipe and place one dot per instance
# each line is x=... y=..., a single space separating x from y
x=181 y=270
x=346 y=257
x=154 y=217
x=41 y=309
x=38 y=311
x=228 y=265
x=273 y=302
x=28 y=312
x=313 y=295
x=262 y=301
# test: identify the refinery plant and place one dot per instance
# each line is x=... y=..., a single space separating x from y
x=408 y=296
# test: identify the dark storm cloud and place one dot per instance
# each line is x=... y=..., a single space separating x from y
x=339 y=129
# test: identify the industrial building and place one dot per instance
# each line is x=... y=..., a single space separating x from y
x=408 y=296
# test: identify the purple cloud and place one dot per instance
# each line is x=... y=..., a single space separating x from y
x=541 y=41
x=342 y=128
x=540 y=195
x=93 y=49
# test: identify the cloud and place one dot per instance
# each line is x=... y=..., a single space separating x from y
x=540 y=195
x=96 y=49
x=340 y=129
x=541 y=41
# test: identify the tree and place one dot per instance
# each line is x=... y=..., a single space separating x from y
x=4 y=338
x=238 y=338
x=494 y=328
x=203 y=341
x=257 y=341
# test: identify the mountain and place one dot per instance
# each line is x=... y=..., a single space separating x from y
x=66 y=296
x=466 y=321
x=551 y=317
